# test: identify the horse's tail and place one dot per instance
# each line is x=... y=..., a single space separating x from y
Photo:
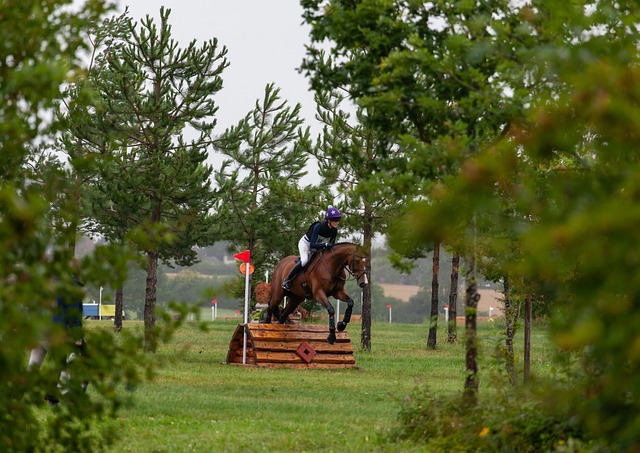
x=263 y=293
x=263 y=301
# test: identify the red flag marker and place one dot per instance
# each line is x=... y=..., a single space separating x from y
x=243 y=256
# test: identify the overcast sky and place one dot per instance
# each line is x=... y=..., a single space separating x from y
x=265 y=42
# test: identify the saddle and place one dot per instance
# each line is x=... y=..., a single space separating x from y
x=305 y=285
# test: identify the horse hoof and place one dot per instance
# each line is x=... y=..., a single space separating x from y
x=331 y=339
x=341 y=326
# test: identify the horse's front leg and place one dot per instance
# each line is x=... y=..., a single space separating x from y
x=347 y=315
x=324 y=300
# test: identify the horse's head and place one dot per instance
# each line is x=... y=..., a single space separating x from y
x=358 y=268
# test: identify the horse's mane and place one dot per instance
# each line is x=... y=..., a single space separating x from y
x=358 y=247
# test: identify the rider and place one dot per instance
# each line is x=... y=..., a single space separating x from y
x=321 y=235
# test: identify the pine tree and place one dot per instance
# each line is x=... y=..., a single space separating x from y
x=152 y=184
x=347 y=151
x=260 y=205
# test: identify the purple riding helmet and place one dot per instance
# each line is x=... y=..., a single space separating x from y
x=333 y=214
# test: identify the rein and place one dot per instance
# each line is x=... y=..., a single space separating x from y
x=358 y=274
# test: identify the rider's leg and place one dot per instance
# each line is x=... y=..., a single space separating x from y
x=286 y=284
x=303 y=248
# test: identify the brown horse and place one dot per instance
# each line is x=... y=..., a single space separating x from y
x=324 y=276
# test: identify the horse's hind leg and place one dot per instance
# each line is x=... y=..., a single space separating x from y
x=284 y=315
x=347 y=315
x=265 y=316
x=272 y=311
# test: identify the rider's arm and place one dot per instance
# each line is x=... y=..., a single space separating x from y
x=313 y=240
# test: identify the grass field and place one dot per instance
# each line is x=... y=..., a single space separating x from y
x=198 y=403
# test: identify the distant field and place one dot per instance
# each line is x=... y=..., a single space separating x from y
x=402 y=292
x=488 y=297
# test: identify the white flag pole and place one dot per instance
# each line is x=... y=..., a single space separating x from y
x=246 y=312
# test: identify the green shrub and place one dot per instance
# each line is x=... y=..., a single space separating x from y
x=519 y=423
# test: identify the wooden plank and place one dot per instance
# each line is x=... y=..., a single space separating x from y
x=275 y=345
x=285 y=357
x=238 y=351
x=317 y=337
x=235 y=356
x=303 y=329
x=293 y=335
x=260 y=345
x=300 y=366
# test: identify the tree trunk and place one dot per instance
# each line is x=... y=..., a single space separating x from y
x=119 y=308
x=470 y=394
x=527 y=338
x=150 y=301
x=366 y=319
x=453 y=299
x=365 y=338
x=510 y=332
x=433 y=324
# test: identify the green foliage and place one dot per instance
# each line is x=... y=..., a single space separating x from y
x=433 y=82
x=527 y=116
x=568 y=174
x=35 y=273
x=445 y=423
x=39 y=213
x=38 y=57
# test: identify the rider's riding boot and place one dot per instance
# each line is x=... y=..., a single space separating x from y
x=286 y=284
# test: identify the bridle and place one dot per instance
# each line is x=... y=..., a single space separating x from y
x=358 y=273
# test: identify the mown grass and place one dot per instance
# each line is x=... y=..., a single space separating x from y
x=198 y=403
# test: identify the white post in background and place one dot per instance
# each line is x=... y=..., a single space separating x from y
x=266 y=276
x=338 y=310
x=100 y=305
x=389 y=307
x=446 y=313
x=490 y=310
x=246 y=313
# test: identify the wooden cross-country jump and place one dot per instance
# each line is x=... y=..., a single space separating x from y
x=290 y=345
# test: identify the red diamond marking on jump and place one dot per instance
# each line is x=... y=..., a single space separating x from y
x=306 y=352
